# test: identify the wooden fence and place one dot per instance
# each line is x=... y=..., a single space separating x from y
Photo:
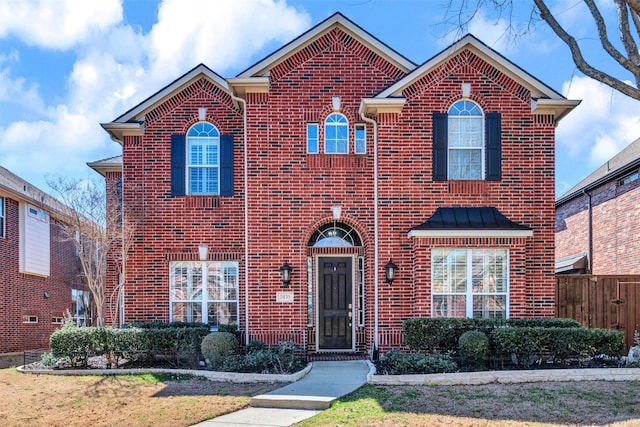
x=609 y=302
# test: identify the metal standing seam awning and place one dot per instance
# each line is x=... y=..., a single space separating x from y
x=469 y=222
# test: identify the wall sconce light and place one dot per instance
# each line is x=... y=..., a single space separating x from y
x=466 y=90
x=336 y=101
x=203 y=252
x=390 y=272
x=285 y=272
x=337 y=211
x=46 y=294
x=202 y=114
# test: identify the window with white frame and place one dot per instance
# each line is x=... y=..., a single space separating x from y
x=360 y=139
x=2 y=216
x=204 y=292
x=80 y=300
x=336 y=134
x=470 y=283
x=312 y=138
x=465 y=141
x=203 y=159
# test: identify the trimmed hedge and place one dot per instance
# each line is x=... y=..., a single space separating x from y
x=396 y=362
x=442 y=334
x=176 y=344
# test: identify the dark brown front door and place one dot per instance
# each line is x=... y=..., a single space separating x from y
x=335 y=290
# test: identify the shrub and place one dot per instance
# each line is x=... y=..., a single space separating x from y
x=396 y=362
x=255 y=345
x=217 y=346
x=474 y=347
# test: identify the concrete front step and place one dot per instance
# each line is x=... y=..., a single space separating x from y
x=326 y=382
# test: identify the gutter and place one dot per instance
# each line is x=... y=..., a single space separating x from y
x=375 y=227
x=246 y=215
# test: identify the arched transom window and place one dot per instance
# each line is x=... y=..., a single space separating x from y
x=335 y=235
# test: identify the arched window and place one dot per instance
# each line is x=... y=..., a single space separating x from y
x=335 y=235
x=203 y=159
x=465 y=141
x=336 y=134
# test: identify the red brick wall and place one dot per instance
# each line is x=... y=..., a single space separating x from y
x=291 y=193
x=615 y=229
x=23 y=294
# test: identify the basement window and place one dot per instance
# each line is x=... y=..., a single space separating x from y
x=56 y=320
x=29 y=319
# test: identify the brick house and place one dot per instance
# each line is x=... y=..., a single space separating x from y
x=40 y=271
x=598 y=220
x=335 y=188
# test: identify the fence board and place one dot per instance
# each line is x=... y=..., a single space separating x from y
x=609 y=302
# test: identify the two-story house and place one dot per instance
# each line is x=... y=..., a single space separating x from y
x=39 y=267
x=335 y=188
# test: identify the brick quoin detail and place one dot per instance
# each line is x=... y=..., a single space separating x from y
x=291 y=193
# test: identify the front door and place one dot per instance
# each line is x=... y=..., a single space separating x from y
x=335 y=290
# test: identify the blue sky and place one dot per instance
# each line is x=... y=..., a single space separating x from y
x=68 y=65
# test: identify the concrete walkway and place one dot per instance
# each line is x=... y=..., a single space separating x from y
x=326 y=382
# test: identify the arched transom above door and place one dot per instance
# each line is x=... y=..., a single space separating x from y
x=335 y=235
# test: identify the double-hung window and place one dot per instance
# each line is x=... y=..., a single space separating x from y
x=204 y=292
x=2 y=217
x=79 y=306
x=203 y=159
x=466 y=141
x=336 y=134
x=470 y=283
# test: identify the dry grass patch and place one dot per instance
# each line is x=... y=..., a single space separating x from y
x=140 y=400
x=589 y=403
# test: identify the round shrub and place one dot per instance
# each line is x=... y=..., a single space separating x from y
x=474 y=346
x=217 y=346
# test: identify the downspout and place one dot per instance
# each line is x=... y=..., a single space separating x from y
x=375 y=227
x=589 y=231
x=246 y=217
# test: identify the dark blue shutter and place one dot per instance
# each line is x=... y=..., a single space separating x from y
x=440 y=136
x=226 y=165
x=178 y=158
x=493 y=131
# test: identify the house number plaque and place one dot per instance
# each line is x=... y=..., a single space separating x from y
x=284 y=296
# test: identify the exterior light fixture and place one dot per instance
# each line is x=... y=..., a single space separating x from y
x=285 y=272
x=390 y=272
x=203 y=252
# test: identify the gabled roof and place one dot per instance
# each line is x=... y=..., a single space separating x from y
x=131 y=122
x=469 y=222
x=26 y=192
x=261 y=68
x=110 y=164
x=545 y=99
x=618 y=166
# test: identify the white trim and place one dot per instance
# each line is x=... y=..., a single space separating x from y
x=458 y=232
x=336 y=21
x=316 y=302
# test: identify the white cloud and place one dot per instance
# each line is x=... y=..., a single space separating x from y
x=221 y=34
x=603 y=124
x=57 y=24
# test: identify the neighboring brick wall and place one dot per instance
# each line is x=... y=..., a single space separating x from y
x=291 y=193
x=615 y=229
x=23 y=294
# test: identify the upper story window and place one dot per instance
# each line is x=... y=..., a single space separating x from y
x=203 y=159
x=336 y=134
x=312 y=138
x=465 y=141
x=467 y=144
x=628 y=179
x=2 y=216
x=202 y=162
